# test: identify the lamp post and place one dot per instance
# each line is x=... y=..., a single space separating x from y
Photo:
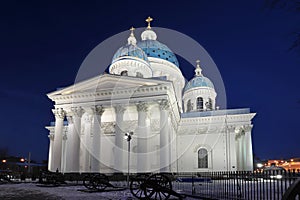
x=128 y=138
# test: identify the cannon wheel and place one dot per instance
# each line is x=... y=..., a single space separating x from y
x=138 y=187
x=100 y=182
x=158 y=186
x=88 y=182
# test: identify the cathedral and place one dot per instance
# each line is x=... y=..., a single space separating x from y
x=174 y=125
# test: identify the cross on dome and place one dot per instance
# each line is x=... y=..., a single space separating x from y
x=198 y=70
x=149 y=20
x=131 y=39
x=132 y=29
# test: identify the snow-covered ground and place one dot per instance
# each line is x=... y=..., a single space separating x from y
x=33 y=191
x=221 y=189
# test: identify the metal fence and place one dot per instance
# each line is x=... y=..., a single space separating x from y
x=269 y=184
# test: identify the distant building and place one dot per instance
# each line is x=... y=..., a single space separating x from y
x=292 y=164
x=176 y=125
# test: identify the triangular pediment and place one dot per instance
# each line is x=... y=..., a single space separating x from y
x=107 y=82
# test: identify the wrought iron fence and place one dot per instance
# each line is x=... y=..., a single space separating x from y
x=268 y=184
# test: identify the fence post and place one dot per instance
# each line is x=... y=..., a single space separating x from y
x=193 y=185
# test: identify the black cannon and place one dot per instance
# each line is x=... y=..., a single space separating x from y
x=51 y=178
x=96 y=182
x=156 y=186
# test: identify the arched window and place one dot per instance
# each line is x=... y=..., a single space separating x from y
x=189 y=106
x=199 y=104
x=209 y=104
x=124 y=73
x=202 y=158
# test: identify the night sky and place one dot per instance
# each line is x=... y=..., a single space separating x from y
x=43 y=44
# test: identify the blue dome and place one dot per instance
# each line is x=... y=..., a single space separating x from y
x=199 y=81
x=130 y=50
x=155 y=49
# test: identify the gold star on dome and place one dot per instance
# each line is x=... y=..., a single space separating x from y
x=149 y=20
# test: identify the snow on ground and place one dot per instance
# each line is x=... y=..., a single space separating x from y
x=35 y=192
x=32 y=191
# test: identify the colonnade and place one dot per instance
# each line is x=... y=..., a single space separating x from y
x=66 y=151
x=244 y=156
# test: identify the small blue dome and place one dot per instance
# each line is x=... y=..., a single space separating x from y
x=199 y=81
x=155 y=49
x=130 y=50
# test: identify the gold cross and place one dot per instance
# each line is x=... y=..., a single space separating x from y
x=198 y=63
x=149 y=20
x=132 y=29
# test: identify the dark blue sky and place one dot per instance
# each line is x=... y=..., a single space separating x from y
x=43 y=43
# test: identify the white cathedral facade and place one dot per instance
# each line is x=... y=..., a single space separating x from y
x=176 y=126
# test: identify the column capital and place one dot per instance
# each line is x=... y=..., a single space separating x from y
x=98 y=110
x=51 y=137
x=120 y=109
x=142 y=107
x=59 y=113
x=248 y=128
x=164 y=104
x=240 y=131
x=77 y=111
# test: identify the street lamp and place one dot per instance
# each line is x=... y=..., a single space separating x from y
x=128 y=138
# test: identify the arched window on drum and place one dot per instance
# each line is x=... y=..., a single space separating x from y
x=199 y=104
x=202 y=158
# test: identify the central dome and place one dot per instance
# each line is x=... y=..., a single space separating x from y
x=155 y=49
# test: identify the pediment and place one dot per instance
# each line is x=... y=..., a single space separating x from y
x=106 y=82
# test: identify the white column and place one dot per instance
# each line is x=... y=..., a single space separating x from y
x=63 y=152
x=69 y=144
x=57 y=143
x=243 y=146
x=249 y=153
x=85 y=145
x=237 y=147
x=96 y=140
x=241 y=152
x=142 y=134
x=119 y=137
x=232 y=150
x=164 y=136
x=77 y=114
x=50 y=158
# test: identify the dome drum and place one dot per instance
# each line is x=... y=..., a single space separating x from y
x=131 y=67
